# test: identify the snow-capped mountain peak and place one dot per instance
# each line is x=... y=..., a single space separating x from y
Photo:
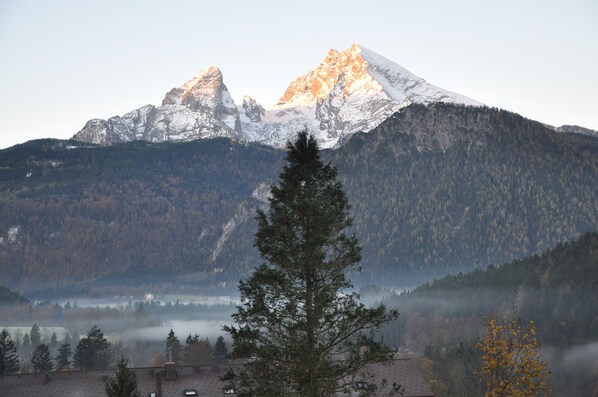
x=206 y=93
x=200 y=108
x=361 y=71
x=319 y=83
x=349 y=91
x=202 y=88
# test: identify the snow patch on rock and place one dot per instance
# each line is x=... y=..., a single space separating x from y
x=227 y=229
x=262 y=193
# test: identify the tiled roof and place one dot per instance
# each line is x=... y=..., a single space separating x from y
x=403 y=372
x=205 y=379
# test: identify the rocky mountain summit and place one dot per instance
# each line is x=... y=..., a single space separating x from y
x=201 y=108
x=350 y=91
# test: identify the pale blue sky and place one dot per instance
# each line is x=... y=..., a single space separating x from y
x=63 y=62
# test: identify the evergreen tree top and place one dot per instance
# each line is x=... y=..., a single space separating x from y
x=8 y=354
x=125 y=382
x=42 y=359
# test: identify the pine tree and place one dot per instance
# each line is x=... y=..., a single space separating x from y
x=220 y=351
x=125 y=382
x=41 y=359
x=35 y=336
x=10 y=357
x=192 y=339
x=18 y=339
x=197 y=351
x=53 y=341
x=305 y=333
x=26 y=341
x=63 y=357
x=68 y=339
x=94 y=351
x=173 y=347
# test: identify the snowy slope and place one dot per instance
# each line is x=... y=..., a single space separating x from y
x=350 y=91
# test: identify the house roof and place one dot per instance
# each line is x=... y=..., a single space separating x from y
x=204 y=379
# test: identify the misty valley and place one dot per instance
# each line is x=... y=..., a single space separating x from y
x=440 y=322
x=136 y=329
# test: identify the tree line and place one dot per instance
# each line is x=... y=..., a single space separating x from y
x=94 y=351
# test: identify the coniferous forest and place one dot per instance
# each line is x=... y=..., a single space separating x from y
x=557 y=290
x=434 y=190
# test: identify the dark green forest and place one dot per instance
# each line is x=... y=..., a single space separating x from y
x=140 y=212
x=558 y=290
x=8 y=297
x=434 y=190
x=506 y=187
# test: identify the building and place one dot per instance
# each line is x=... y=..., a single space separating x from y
x=179 y=381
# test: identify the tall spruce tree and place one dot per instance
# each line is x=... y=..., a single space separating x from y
x=306 y=334
x=8 y=354
x=26 y=342
x=173 y=347
x=191 y=339
x=93 y=351
x=63 y=360
x=35 y=335
x=41 y=359
x=197 y=351
x=53 y=341
x=125 y=382
x=220 y=351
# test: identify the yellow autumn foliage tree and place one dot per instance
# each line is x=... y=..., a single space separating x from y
x=511 y=364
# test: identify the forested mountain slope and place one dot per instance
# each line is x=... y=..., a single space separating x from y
x=558 y=290
x=443 y=188
x=7 y=297
x=435 y=189
x=126 y=214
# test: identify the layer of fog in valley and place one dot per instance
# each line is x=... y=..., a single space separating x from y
x=136 y=326
x=439 y=327
x=442 y=325
x=121 y=302
x=210 y=329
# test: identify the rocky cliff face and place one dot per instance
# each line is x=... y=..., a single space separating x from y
x=206 y=94
x=252 y=110
x=350 y=91
x=200 y=108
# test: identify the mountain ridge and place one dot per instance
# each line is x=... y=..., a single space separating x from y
x=434 y=189
x=349 y=91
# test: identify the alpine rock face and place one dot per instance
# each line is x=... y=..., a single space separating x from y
x=201 y=108
x=350 y=91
